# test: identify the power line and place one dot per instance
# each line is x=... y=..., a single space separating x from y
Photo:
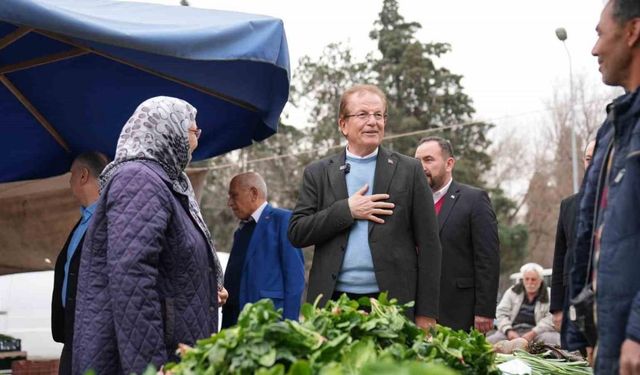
x=394 y=136
x=295 y=154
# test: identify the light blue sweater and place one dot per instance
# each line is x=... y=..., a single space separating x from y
x=357 y=274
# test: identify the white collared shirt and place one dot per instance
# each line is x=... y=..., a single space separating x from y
x=256 y=214
x=437 y=195
x=354 y=156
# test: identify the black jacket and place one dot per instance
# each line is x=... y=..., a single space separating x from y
x=62 y=318
x=565 y=234
x=405 y=249
x=470 y=257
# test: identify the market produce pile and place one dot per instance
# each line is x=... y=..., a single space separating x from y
x=337 y=339
x=540 y=364
x=341 y=339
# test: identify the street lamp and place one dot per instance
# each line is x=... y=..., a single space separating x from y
x=561 y=33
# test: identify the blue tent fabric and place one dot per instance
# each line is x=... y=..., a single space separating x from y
x=101 y=58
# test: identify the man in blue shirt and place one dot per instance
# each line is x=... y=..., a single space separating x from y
x=84 y=183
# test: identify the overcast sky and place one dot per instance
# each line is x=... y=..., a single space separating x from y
x=506 y=50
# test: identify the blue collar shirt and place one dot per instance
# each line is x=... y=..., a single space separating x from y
x=78 y=233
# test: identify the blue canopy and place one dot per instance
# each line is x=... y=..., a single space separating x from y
x=72 y=72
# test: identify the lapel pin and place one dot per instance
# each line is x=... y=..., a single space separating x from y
x=453 y=197
x=389 y=161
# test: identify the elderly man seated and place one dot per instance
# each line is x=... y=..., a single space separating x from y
x=524 y=310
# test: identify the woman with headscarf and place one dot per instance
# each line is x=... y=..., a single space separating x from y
x=149 y=275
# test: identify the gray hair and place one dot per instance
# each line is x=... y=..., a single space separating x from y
x=625 y=10
x=252 y=179
x=535 y=267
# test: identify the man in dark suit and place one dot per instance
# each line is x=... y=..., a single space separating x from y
x=262 y=263
x=85 y=187
x=369 y=213
x=565 y=235
x=469 y=239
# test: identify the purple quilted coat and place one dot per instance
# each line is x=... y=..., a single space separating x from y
x=147 y=279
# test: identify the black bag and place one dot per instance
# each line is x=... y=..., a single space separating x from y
x=581 y=314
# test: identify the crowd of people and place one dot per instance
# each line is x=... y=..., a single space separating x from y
x=139 y=273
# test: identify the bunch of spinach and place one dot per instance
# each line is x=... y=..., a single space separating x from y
x=469 y=353
x=338 y=339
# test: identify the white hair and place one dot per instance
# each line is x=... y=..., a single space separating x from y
x=252 y=179
x=535 y=267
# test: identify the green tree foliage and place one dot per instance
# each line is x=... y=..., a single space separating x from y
x=421 y=96
x=322 y=82
x=424 y=96
x=280 y=159
x=513 y=236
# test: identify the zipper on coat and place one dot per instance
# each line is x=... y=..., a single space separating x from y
x=601 y=177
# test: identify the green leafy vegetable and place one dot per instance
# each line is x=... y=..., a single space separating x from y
x=338 y=339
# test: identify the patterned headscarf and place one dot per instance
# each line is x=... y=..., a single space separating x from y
x=158 y=131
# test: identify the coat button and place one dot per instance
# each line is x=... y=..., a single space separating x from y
x=212 y=309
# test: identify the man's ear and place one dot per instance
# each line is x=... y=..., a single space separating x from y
x=254 y=192
x=341 y=124
x=84 y=175
x=633 y=33
x=450 y=163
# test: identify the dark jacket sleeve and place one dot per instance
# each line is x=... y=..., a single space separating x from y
x=311 y=225
x=293 y=272
x=137 y=214
x=57 y=311
x=486 y=256
x=425 y=231
x=633 y=324
x=559 y=254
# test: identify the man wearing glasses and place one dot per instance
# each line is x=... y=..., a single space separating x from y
x=369 y=213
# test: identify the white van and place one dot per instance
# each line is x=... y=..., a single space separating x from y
x=25 y=311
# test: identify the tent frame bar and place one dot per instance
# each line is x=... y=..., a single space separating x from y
x=75 y=52
x=203 y=90
x=15 y=35
x=34 y=112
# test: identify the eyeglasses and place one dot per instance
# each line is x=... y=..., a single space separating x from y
x=197 y=132
x=364 y=116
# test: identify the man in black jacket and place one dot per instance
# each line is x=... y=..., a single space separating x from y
x=84 y=183
x=565 y=234
x=369 y=214
x=469 y=239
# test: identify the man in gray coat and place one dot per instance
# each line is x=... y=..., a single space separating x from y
x=369 y=213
